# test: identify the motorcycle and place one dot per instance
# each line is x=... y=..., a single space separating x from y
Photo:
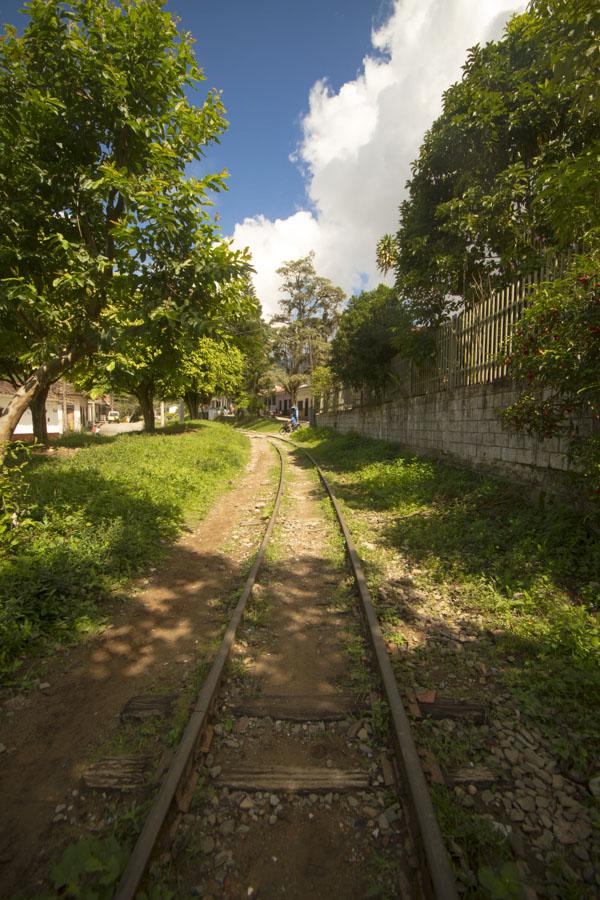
x=289 y=427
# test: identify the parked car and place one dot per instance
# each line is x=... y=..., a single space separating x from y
x=113 y=415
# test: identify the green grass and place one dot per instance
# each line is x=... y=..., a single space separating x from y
x=523 y=575
x=528 y=569
x=99 y=516
x=257 y=423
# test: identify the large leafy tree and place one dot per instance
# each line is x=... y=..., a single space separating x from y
x=195 y=368
x=186 y=345
x=555 y=359
x=511 y=168
x=309 y=312
x=372 y=329
x=256 y=340
x=95 y=134
x=212 y=368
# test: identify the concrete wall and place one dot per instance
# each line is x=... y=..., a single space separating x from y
x=462 y=425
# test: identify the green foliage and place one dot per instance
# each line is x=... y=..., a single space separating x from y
x=212 y=367
x=173 y=357
x=107 y=231
x=177 y=357
x=387 y=251
x=482 y=842
x=255 y=340
x=371 y=329
x=322 y=380
x=555 y=355
x=14 y=509
x=529 y=571
x=90 y=869
x=511 y=167
x=100 y=516
x=503 y=884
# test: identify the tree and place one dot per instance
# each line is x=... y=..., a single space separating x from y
x=211 y=368
x=256 y=342
x=96 y=132
x=511 y=168
x=12 y=351
x=323 y=382
x=310 y=309
x=291 y=382
x=371 y=331
x=555 y=358
x=185 y=347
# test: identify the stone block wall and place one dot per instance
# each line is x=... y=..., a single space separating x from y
x=463 y=425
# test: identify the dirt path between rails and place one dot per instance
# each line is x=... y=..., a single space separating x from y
x=251 y=840
x=151 y=643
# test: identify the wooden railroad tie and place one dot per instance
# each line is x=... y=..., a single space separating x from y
x=147 y=706
x=294 y=779
x=454 y=709
x=298 y=707
x=117 y=773
x=480 y=775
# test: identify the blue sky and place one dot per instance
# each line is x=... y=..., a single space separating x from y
x=348 y=89
x=265 y=56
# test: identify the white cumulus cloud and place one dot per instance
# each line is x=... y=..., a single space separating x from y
x=358 y=142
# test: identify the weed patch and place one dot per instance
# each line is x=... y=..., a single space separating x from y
x=97 y=517
x=527 y=570
x=484 y=596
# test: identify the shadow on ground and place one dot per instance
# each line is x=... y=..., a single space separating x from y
x=527 y=570
x=154 y=645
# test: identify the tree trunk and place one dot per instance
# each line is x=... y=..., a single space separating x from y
x=45 y=374
x=192 y=401
x=146 y=398
x=38 y=414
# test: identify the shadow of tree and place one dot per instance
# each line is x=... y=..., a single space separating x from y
x=97 y=519
x=461 y=522
x=526 y=570
x=96 y=534
x=159 y=642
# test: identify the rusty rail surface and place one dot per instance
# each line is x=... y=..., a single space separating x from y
x=182 y=762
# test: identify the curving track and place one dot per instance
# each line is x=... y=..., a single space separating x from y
x=435 y=876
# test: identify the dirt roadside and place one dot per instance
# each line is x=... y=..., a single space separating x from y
x=152 y=641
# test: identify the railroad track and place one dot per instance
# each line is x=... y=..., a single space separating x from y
x=348 y=793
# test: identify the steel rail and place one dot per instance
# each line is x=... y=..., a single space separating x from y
x=439 y=867
x=179 y=769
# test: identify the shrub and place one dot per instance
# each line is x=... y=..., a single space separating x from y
x=556 y=357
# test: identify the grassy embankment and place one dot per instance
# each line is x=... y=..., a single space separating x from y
x=257 y=423
x=513 y=582
x=100 y=511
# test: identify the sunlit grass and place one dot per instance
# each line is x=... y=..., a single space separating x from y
x=99 y=516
